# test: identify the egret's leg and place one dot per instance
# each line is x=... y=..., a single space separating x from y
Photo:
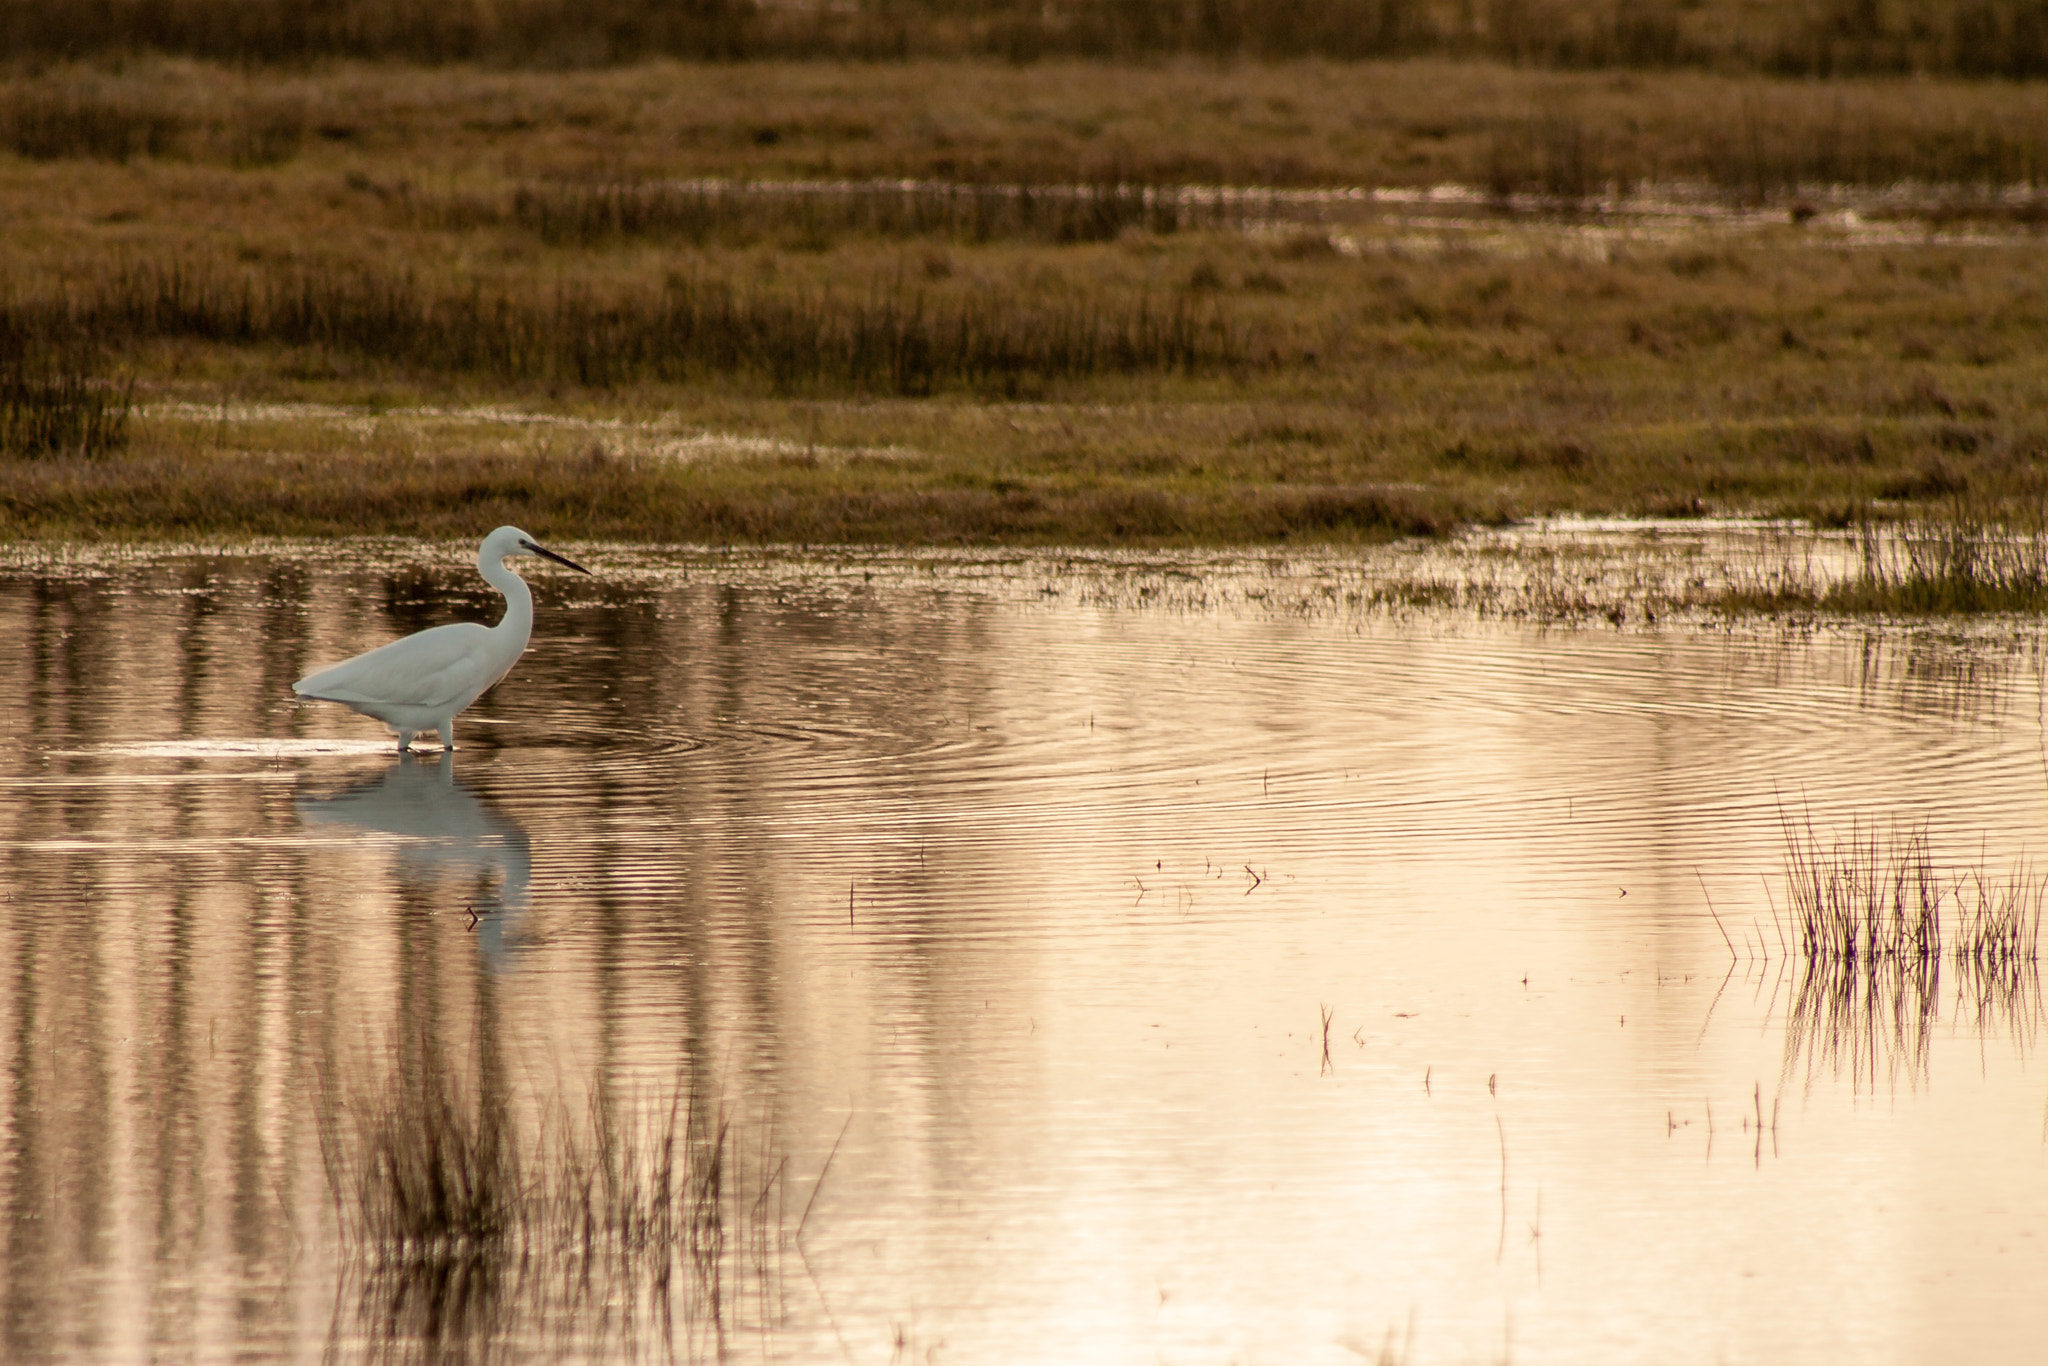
x=448 y=734
x=404 y=740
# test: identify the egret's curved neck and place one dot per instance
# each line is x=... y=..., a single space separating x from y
x=518 y=619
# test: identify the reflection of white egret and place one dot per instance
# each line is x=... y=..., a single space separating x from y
x=421 y=682
x=445 y=827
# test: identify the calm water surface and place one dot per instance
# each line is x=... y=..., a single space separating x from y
x=1118 y=961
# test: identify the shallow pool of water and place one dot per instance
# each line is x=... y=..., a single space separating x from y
x=1095 y=958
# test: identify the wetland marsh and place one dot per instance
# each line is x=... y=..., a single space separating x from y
x=974 y=304
x=1018 y=957
x=1365 y=687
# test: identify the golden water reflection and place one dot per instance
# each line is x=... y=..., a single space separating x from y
x=1005 y=901
x=441 y=831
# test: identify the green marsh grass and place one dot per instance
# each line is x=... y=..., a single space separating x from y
x=1139 y=378
x=590 y=492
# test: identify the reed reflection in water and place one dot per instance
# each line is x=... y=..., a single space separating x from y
x=655 y=1229
x=987 y=925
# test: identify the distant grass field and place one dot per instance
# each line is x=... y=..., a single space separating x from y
x=365 y=298
x=1812 y=38
x=1421 y=121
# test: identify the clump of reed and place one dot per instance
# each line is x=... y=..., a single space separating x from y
x=1864 y=900
x=1965 y=564
x=56 y=397
x=466 y=1226
x=47 y=123
x=1962 y=564
x=1872 y=924
x=896 y=337
x=1561 y=158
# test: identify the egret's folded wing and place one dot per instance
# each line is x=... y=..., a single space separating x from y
x=431 y=669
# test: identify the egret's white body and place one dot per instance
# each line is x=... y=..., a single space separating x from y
x=422 y=682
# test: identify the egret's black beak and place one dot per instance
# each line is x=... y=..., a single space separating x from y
x=547 y=554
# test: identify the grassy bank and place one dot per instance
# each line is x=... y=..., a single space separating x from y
x=423 y=301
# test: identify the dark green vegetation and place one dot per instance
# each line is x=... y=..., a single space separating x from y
x=886 y=339
x=248 y=300
x=1827 y=37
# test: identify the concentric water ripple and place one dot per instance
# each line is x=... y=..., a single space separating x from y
x=1145 y=959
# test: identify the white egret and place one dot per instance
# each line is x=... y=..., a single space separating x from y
x=423 y=681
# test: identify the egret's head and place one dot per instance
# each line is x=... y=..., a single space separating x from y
x=510 y=540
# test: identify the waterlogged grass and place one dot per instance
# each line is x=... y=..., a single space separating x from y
x=1882 y=942
x=1940 y=568
x=815 y=216
x=1960 y=565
